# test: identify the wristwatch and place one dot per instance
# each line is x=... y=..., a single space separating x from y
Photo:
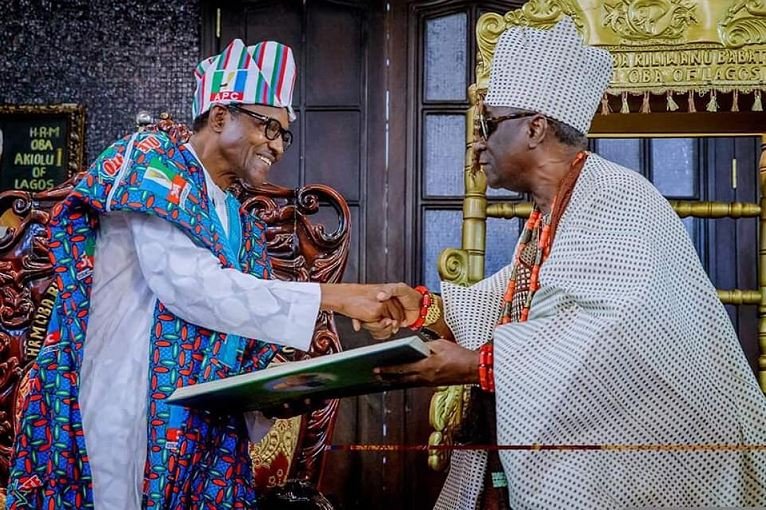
x=434 y=311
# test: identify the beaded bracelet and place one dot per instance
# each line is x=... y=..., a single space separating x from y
x=486 y=368
x=425 y=304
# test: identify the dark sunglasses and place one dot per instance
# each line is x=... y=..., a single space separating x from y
x=271 y=126
x=488 y=125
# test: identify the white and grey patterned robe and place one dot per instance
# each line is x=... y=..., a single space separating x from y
x=626 y=344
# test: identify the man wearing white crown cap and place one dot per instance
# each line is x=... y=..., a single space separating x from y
x=605 y=329
x=164 y=282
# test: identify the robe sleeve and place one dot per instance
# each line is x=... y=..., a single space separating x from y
x=192 y=284
x=473 y=312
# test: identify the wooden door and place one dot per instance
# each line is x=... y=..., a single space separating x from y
x=341 y=140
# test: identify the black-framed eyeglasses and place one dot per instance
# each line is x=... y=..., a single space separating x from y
x=271 y=126
x=488 y=125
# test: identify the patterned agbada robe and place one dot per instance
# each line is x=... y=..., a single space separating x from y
x=626 y=344
x=195 y=460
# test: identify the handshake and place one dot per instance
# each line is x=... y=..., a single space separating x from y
x=384 y=308
x=381 y=309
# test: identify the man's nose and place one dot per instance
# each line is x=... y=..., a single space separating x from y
x=277 y=147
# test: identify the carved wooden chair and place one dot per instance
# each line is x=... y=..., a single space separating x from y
x=301 y=249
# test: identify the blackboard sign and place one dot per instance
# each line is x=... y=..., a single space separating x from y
x=40 y=146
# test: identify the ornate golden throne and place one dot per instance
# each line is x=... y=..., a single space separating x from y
x=677 y=63
x=302 y=250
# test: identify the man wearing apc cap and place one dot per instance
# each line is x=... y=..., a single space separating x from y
x=164 y=282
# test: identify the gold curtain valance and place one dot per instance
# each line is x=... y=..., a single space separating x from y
x=661 y=47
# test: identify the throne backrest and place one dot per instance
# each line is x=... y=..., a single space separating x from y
x=302 y=249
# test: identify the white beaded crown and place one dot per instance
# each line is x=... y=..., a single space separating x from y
x=550 y=72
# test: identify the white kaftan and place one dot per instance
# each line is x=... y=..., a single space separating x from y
x=627 y=344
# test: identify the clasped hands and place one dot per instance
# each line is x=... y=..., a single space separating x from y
x=382 y=309
x=379 y=308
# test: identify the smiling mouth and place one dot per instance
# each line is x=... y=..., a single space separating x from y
x=264 y=159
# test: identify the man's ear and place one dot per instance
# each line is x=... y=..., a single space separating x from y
x=219 y=116
x=538 y=129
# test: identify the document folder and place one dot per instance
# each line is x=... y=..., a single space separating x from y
x=343 y=374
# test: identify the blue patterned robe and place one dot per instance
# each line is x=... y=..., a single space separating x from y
x=195 y=460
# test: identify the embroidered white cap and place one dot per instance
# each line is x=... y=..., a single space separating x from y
x=260 y=74
x=550 y=72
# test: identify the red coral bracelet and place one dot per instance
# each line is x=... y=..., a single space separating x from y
x=425 y=303
x=486 y=368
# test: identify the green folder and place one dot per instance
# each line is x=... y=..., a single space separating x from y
x=343 y=374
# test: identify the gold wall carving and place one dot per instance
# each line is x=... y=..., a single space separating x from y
x=638 y=21
x=658 y=46
x=546 y=13
x=745 y=23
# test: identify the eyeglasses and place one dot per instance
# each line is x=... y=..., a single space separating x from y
x=488 y=125
x=271 y=126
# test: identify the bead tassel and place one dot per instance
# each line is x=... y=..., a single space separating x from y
x=645 y=105
x=605 y=110
x=625 y=108
x=672 y=105
x=712 y=106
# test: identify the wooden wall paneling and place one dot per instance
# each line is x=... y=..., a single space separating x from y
x=393 y=177
x=332 y=150
x=722 y=232
x=732 y=244
x=287 y=171
x=382 y=417
x=352 y=273
x=747 y=153
x=343 y=119
x=335 y=64
x=208 y=36
x=233 y=25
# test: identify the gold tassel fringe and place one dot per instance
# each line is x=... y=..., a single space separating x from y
x=692 y=108
x=672 y=105
x=757 y=105
x=712 y=106
x=735 y=101
x=625 y=107
x=605 y=105
x=645 y=108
